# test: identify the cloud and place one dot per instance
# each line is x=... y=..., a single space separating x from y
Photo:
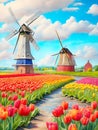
x=71 y=9
x=93 y=9
x=4 y=47
x=46 y=61
x=4 y=55
x=87 y=52
x=78 y=4
x=28 y=7
x=44 y=27
x=1 y=1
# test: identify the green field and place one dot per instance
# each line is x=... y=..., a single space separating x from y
x=84 y=74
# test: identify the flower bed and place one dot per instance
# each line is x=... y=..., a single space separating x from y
x=85 y=89
x=75 y=118
x=19 y=92
x=18 y=114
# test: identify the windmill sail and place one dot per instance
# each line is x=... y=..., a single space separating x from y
x=12 y=34
x=34 y=43
x=59 y=39
x=16 y=43
x=13 y=16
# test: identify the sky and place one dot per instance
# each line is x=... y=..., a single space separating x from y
x=76 y=22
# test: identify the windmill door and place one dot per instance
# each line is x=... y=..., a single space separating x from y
x=28 y=70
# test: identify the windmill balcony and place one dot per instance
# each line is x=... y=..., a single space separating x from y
x=24 y=62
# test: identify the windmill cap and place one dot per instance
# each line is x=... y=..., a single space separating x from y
x=65 y=50
x=25 y=28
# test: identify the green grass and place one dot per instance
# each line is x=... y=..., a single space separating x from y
x=84 y=74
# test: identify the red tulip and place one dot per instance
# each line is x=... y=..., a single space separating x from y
x=72 y=127
x=58 y=111
x=11 y=111
x=24 y=110
x=24 y=101
x=65 y=105
x=96 y=114
x=76 y=106
x=87 y=113
x=32 y=107
x=4 y=95
x=23 y=93
x=84 y=120
x=92 y=118
x=52 y=125
x=17 y=103
x=67 y=119
x=94 y=104
x=15 y=97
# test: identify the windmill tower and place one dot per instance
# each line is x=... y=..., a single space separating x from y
x=23 y=55
x=66 y=58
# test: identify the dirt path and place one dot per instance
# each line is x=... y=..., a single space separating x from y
x=46 y=106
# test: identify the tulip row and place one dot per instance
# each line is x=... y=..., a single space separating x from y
x=18 y=114
x=88 y=80
x=84 y=91
x=75 y=118
x=18 y=93
x=29 y=87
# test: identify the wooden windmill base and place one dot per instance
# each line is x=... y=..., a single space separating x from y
x=24 y=69
x=65 y=68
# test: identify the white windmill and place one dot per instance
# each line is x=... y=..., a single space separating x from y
x=23 y=55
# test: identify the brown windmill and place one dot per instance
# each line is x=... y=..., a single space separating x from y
x=66 y=60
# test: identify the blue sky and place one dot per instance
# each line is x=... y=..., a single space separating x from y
x=75 y=20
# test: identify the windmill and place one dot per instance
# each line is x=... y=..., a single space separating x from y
x=66 y=58
x=23 y=55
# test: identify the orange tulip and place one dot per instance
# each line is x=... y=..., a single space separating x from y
x=72 y=127
x=3 y=114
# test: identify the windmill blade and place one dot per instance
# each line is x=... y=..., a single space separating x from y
x=32 y=20
x=59 y=39
x=34 y=43
x=16 y=44
x=56 y=59
x=12 y=34
x=55 y=54
x=14 y=17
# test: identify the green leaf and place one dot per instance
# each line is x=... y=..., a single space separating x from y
x=96 y=128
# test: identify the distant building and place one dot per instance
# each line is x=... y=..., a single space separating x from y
x=88 y=66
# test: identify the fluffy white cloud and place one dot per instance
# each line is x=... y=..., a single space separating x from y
x=87 y=52
x=4 y=55
x=46 y=61
x=44 y=27
x=93 y=9
x=27 y=7
x=4 y=47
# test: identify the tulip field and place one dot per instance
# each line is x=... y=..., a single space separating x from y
x=18 y=93
x=75 y=118
x=85 y=90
